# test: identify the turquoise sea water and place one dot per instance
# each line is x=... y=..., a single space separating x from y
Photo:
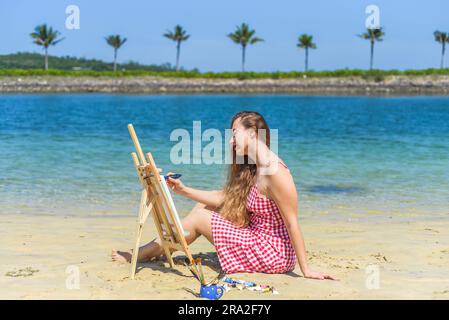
x=351 y=157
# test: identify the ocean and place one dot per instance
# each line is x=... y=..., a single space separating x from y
x=352 y=157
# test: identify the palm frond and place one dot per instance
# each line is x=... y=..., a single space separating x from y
x=45 y=36
x=243 y=35
x=178 y=35
x=373 y=34
x=306 y=41
x=441 y=36
x=115 y=41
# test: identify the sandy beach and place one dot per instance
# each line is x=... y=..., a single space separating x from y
x=37 y=254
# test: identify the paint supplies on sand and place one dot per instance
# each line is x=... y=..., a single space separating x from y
x=210 y=290
x=248 y=285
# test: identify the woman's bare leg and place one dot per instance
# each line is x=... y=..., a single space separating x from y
x=197 y=223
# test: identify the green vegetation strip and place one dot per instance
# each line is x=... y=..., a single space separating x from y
x=223 y=75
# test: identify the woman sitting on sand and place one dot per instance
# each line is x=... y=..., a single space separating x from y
x=253 y=221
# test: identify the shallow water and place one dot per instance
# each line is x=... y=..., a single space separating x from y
x=351 y=157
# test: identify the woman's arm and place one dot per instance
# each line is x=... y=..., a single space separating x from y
x=209 y=198
x=212 y=198
x=282 y=190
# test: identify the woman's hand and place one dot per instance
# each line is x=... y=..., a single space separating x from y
x=318 y=275
x=175 y=184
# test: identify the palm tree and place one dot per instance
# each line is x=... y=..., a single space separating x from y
x=442 y=37
x=178 y=36
x=305 y=41
x=116 y=42
x=45 y=36
x=372 y=35
x=244 y=36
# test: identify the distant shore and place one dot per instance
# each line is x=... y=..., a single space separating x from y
x=354 y=85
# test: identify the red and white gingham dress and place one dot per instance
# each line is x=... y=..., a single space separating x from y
x=262 y=246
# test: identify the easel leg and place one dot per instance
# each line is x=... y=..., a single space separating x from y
x=169 y=257
x=136 y=251
x=143 y=214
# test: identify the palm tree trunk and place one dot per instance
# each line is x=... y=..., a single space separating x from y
x=46 y=59
x=443 y=49
x=243 y=58
x=115 y=59
x=307 y=59
x=371 y=55
x=178 y=49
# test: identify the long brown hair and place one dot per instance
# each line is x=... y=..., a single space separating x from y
x=241 y=176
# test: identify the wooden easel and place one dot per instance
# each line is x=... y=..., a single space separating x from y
x=156 y=199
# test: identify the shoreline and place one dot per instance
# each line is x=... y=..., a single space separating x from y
x=388 y=85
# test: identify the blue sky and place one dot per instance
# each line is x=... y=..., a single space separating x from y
x=409 y=27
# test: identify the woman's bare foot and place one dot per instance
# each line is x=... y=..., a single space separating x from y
x=121 y=256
